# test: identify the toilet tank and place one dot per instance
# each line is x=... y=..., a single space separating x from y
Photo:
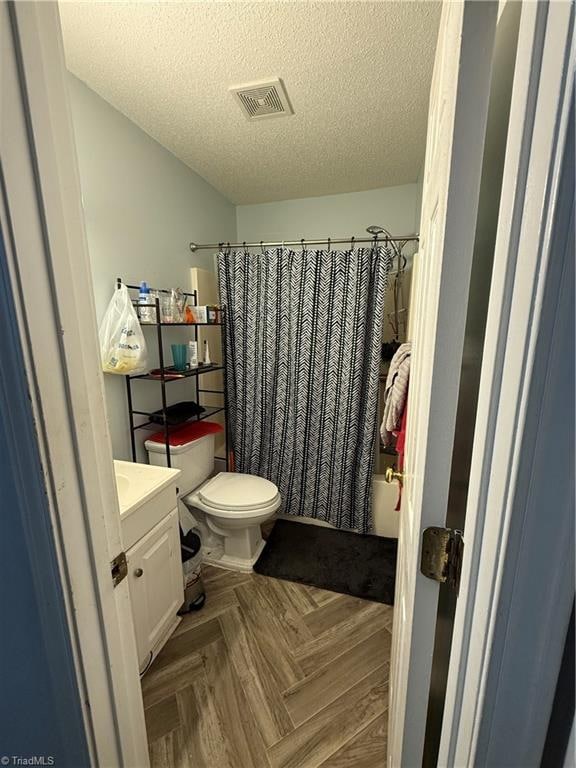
x=191 y=451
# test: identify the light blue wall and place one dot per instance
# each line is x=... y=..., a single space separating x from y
x=395 y=208
x=142 y=207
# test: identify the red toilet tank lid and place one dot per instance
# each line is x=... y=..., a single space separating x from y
x=188 y=433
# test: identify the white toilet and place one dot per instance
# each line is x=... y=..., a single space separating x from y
x=229 y=508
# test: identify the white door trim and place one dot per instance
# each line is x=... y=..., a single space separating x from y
x=504 y=439
x=53 y=294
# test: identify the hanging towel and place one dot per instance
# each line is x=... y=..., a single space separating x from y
x=396 y=392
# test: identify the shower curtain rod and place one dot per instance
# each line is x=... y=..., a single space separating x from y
x=304 y=241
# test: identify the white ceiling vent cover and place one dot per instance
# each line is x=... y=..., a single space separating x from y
x=266 y=98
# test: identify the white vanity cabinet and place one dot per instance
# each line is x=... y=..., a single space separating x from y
x=148 y=499
x=156 y=587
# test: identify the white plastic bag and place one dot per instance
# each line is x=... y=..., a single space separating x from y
x=122 y=343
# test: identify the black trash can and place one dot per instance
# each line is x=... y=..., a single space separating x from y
x=191 y=550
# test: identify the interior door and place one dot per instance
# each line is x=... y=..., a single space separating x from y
x=454 y=150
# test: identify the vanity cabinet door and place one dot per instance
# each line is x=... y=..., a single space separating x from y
x=156 y=586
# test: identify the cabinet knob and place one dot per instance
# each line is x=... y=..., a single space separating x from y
x=138 y=572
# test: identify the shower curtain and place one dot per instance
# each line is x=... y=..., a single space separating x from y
x=303 y=340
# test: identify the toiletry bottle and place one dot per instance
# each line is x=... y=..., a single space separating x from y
x=207 y=360
x=154 y=298
x=193 y=353
x=144 y=298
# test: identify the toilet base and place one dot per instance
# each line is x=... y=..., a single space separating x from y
x=219 y=559
x=235 y=548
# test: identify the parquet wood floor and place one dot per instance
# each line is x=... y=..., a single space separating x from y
x=271 y=674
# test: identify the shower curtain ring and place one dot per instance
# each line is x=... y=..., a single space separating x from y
x=303 y=245
x=262 y=246
x=352 y=243
x=329 y=244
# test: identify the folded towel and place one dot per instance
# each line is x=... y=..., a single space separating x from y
x=178 y=413
x=395 y=393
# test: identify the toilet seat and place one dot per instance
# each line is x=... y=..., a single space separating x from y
x=232 y=494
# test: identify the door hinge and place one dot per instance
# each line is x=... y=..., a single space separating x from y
x=442 y=550
x=119 y=568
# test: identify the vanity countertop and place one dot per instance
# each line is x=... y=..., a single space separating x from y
x=138 y=483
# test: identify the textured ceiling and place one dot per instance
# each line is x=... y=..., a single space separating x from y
x=357 y=75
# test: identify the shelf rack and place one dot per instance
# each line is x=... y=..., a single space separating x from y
x=167 y=374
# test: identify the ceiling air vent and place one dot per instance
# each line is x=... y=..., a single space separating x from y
x=266 y=98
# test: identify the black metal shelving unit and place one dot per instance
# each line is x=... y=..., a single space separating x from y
x=167 y=374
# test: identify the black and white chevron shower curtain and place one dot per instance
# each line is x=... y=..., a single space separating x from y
x=303 y=337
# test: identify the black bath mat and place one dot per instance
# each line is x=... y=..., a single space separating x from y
x=341 y=561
